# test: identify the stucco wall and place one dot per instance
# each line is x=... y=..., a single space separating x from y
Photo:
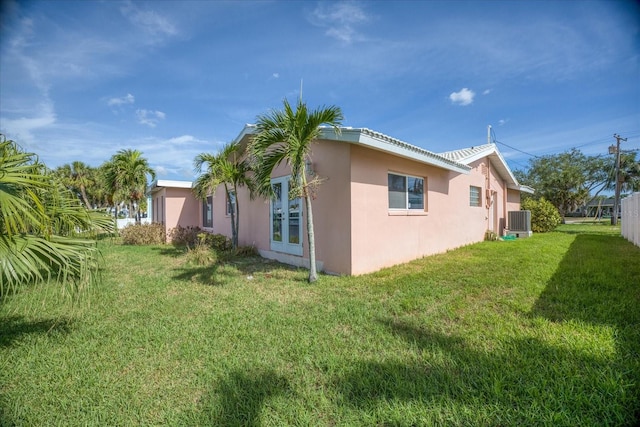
x=355 y=230
x=330 y=210
x=332 y=206
x=382 y=237
x=513 y=202
x=176 y=206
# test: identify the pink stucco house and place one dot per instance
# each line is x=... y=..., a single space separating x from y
x=381 y=202
x=173 y=203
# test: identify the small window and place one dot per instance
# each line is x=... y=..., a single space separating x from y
x=474 y=196
x=405 y=192
x=231 y=203
x=207 y=212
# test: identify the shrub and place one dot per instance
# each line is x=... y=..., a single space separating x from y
x=202 y=254
x=246 y=251
x=143 y=234
x=544 y=216
x=212 y=248
x=219 y=242
x=184 y=236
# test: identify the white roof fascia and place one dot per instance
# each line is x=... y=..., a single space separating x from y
x=491 y=151
x=248 y=129
x=166 y=183
x=504 y=164
x=387 y=144
x=380 y=142
x=173 y=184
x=514 y=185
x=524 y=189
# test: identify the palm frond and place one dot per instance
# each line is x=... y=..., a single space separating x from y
x=36 y=215
x=28 y=259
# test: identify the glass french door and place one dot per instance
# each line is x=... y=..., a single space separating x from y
x=285 y=219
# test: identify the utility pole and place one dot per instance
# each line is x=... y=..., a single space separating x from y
x=616 y=201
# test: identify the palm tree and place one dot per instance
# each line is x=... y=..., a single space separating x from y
x=126 y=176
x=286 y=136
x=629 y=172
x=40 y=222
x=227 y=169
x=78 y=177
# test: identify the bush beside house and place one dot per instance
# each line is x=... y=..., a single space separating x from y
x=544 y=216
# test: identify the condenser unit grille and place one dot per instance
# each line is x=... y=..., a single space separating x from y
x=520 y=220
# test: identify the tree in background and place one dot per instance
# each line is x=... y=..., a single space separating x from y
x=629 y=174
x=566 y=179
x=40 y=226
x=78 y=177
x=287 y=136
x=228 y=169
x=126 y=178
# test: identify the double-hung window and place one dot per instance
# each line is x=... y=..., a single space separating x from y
x=405 y=192
x=207 y=212
x=474 y=196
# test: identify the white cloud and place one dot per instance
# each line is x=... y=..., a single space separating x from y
x=149 y=21
x=340 y=19
x=127 y=99
x=161 y=170
x=22 y=128
x=486 y=92
x=502 y=122
x=149 y=117
x=174 y=156
x=183 y=140
x=276 y=75
x=463 y=97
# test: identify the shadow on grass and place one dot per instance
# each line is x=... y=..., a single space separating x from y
x=229 y=268
x=239 y=398
x=523 y=373
x=598 y=282
x=15 y=327
x=171 y=251
x=204 y=275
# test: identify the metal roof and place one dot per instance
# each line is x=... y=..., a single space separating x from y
x=381 y=142
x=469 y=155
x=457 y=160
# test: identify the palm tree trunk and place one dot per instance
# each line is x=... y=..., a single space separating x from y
x=236 y=208
x=83 y=193
x=234 y=231
x=313 y=274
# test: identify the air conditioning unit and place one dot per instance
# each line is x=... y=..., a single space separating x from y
x=519 y=224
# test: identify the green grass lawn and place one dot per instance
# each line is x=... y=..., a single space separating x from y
x=538 y=331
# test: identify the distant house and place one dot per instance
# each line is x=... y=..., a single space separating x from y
x=173 y=203
x=596 y=208
x=381 y=202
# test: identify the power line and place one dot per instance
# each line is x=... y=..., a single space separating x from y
x=516 y=149
x=594 y=142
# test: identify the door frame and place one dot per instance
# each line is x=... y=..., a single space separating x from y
x=285 y=245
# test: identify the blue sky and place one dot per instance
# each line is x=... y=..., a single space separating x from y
x=80 y=80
